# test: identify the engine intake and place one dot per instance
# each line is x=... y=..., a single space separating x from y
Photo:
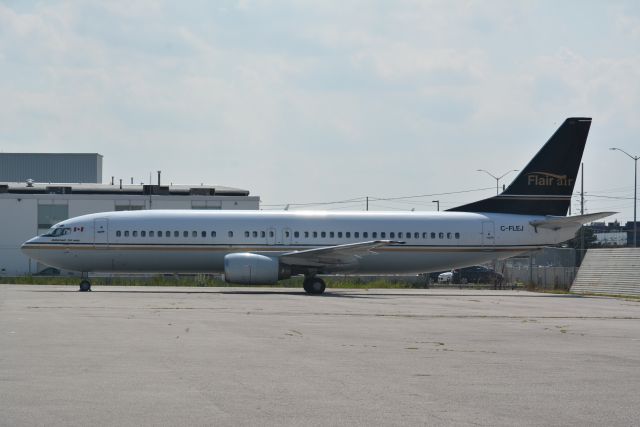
x=253 y=269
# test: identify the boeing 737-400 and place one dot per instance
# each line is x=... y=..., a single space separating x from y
x=264 y=247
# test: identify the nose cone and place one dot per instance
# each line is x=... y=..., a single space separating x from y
x=28 y=246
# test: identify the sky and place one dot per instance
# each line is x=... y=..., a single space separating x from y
x=302 y=102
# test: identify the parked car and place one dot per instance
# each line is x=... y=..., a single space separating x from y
x=445 y=277
x=476 y=274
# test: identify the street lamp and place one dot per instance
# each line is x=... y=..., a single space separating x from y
x=635 y=194
x=497 y=178
x=437 y=202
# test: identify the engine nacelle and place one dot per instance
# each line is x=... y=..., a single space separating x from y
x=253 y=269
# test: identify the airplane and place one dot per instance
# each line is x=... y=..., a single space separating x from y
x=260 y=247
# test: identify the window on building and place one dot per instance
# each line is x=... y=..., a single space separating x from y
x=48 y=215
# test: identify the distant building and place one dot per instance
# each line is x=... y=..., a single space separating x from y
x=51 y=167
x=29 y=209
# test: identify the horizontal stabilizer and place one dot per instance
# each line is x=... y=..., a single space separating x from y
x=558 y=222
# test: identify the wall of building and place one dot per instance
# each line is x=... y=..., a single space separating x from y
x=51 y=167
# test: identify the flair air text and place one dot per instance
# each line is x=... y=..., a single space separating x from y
x=545 y=179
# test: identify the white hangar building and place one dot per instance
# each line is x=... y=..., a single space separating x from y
x=28 y=209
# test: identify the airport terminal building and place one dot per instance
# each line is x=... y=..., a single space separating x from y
x=29 y=208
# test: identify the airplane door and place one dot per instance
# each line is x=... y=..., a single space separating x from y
x=286 y=236
x=488 y=233
x=271 y=236
x=101 y=232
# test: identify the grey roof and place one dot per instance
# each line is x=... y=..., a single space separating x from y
x=82 y=188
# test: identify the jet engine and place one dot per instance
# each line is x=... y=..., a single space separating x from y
x=254 y=269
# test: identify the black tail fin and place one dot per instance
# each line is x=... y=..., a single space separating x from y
x=545 y=185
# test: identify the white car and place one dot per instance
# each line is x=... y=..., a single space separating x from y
x=445 y=277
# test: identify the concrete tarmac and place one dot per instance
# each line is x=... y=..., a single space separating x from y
x=132 y=356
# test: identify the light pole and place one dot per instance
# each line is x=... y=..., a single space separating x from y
x=497 y=178
x=437 y=202
x=635 y=194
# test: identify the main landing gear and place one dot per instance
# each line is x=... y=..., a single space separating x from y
x=85 y=284
x=314 y=285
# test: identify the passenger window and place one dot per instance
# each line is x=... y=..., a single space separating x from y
x=347 y=234
x=306 y=234
x=135 y=233
x=374 y=234
x=433 y=235
x=159 y=233
x=416 y=235
x=315 y=234
x=203 y=234
x=365 y=235
x=296 y=234
x=408 y=235
x=457 y=235
x=194 y=234
x=356 y=234
x=270 y=233
x=167 y=233
x=287 y=234
x=185 y=234
x=400 y=235
x=118 y=233
x=151 y=233
x=126 y=233
x=254 y=234
x=340 y=234
x=424 y=235
x=448 y=235
x=383 y=234
x=323 y=234
x=392 y=235
x=246 y=234
x=143 y=233
x=331 y=234
x=230 y=234
x=263 y=234
x=213 y=234
x=176 y=234
x=441 y=235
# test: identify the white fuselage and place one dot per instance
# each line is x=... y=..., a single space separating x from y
x=197 y=241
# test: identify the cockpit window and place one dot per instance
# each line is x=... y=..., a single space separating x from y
x=57 y=232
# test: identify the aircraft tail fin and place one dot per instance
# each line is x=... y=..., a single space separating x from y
x=545 y=185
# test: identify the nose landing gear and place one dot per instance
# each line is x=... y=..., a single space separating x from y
x=85 y=284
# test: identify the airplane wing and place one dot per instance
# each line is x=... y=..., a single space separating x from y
x=333 y=255
x=558 y=222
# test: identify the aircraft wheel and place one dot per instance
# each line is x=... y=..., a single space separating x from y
x=314 y=286
x=85 y=286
